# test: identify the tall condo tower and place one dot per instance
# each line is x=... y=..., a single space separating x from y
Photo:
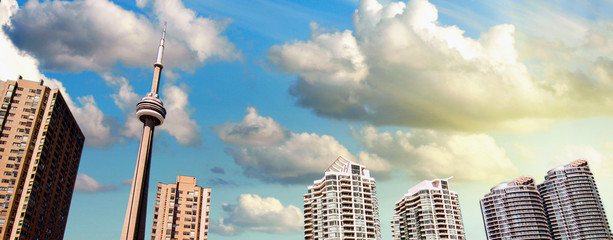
x=181 y=211
x=342 y=205
x=40 y=150
x=151 y=112
x=572 y=203
x=429 y=210
x=514 y=210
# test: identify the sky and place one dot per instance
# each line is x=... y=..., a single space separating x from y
x=263 y=95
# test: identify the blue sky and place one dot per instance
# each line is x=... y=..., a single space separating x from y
x=262 y=95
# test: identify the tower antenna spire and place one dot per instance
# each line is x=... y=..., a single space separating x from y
x=161 y=48
x=158 y=64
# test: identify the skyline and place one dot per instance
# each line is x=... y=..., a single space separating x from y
x=265 y=94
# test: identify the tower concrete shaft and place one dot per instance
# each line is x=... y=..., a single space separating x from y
x=150 y=110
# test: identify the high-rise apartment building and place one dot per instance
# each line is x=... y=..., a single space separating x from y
x=40 y=150
x=514 y=210
x=181 y=211
x=572 y=203
x=342 y=205
x=429 y=210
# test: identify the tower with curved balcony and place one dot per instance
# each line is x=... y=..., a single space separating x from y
x=514 y=210
x=342 y=205
x=429 y=210
x=572 y=203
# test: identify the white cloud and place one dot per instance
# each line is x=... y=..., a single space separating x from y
x=253 y=213
x=178 y=121
x=200 y=35
x=301 y=158
x=87 y=184
x=340 y=60
x=93 y=122
x=125 y=98
x=253 y=130
x=298 y=157
x=141 y=3
x=400 y=66
x=427 y=154
x=96 y=34
x=601 y=162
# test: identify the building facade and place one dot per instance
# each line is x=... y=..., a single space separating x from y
x=429 y=210
x=40 y=151
x=181 y=211
x=342 y=205
x=572 y=203
x=514 y=210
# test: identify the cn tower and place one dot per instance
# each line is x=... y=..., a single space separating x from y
x=151 y=112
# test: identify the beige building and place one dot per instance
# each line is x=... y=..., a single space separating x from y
x=40 y=150
x=181 y=211
x=429 y=210
x=342 y=205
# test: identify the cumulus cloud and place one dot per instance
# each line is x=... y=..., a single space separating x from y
x=252 y=130
x=125 y=98
x=427 y=154
x=97 y=34
x=253 y=213
x=202 y=36
x=87 y=184
x=296 y=158
x=401 y=66
x=178 y=122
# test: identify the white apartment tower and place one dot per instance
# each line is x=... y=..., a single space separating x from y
x=429 y=210
x=514 y=210
x=342 y=205
x=572 y=203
